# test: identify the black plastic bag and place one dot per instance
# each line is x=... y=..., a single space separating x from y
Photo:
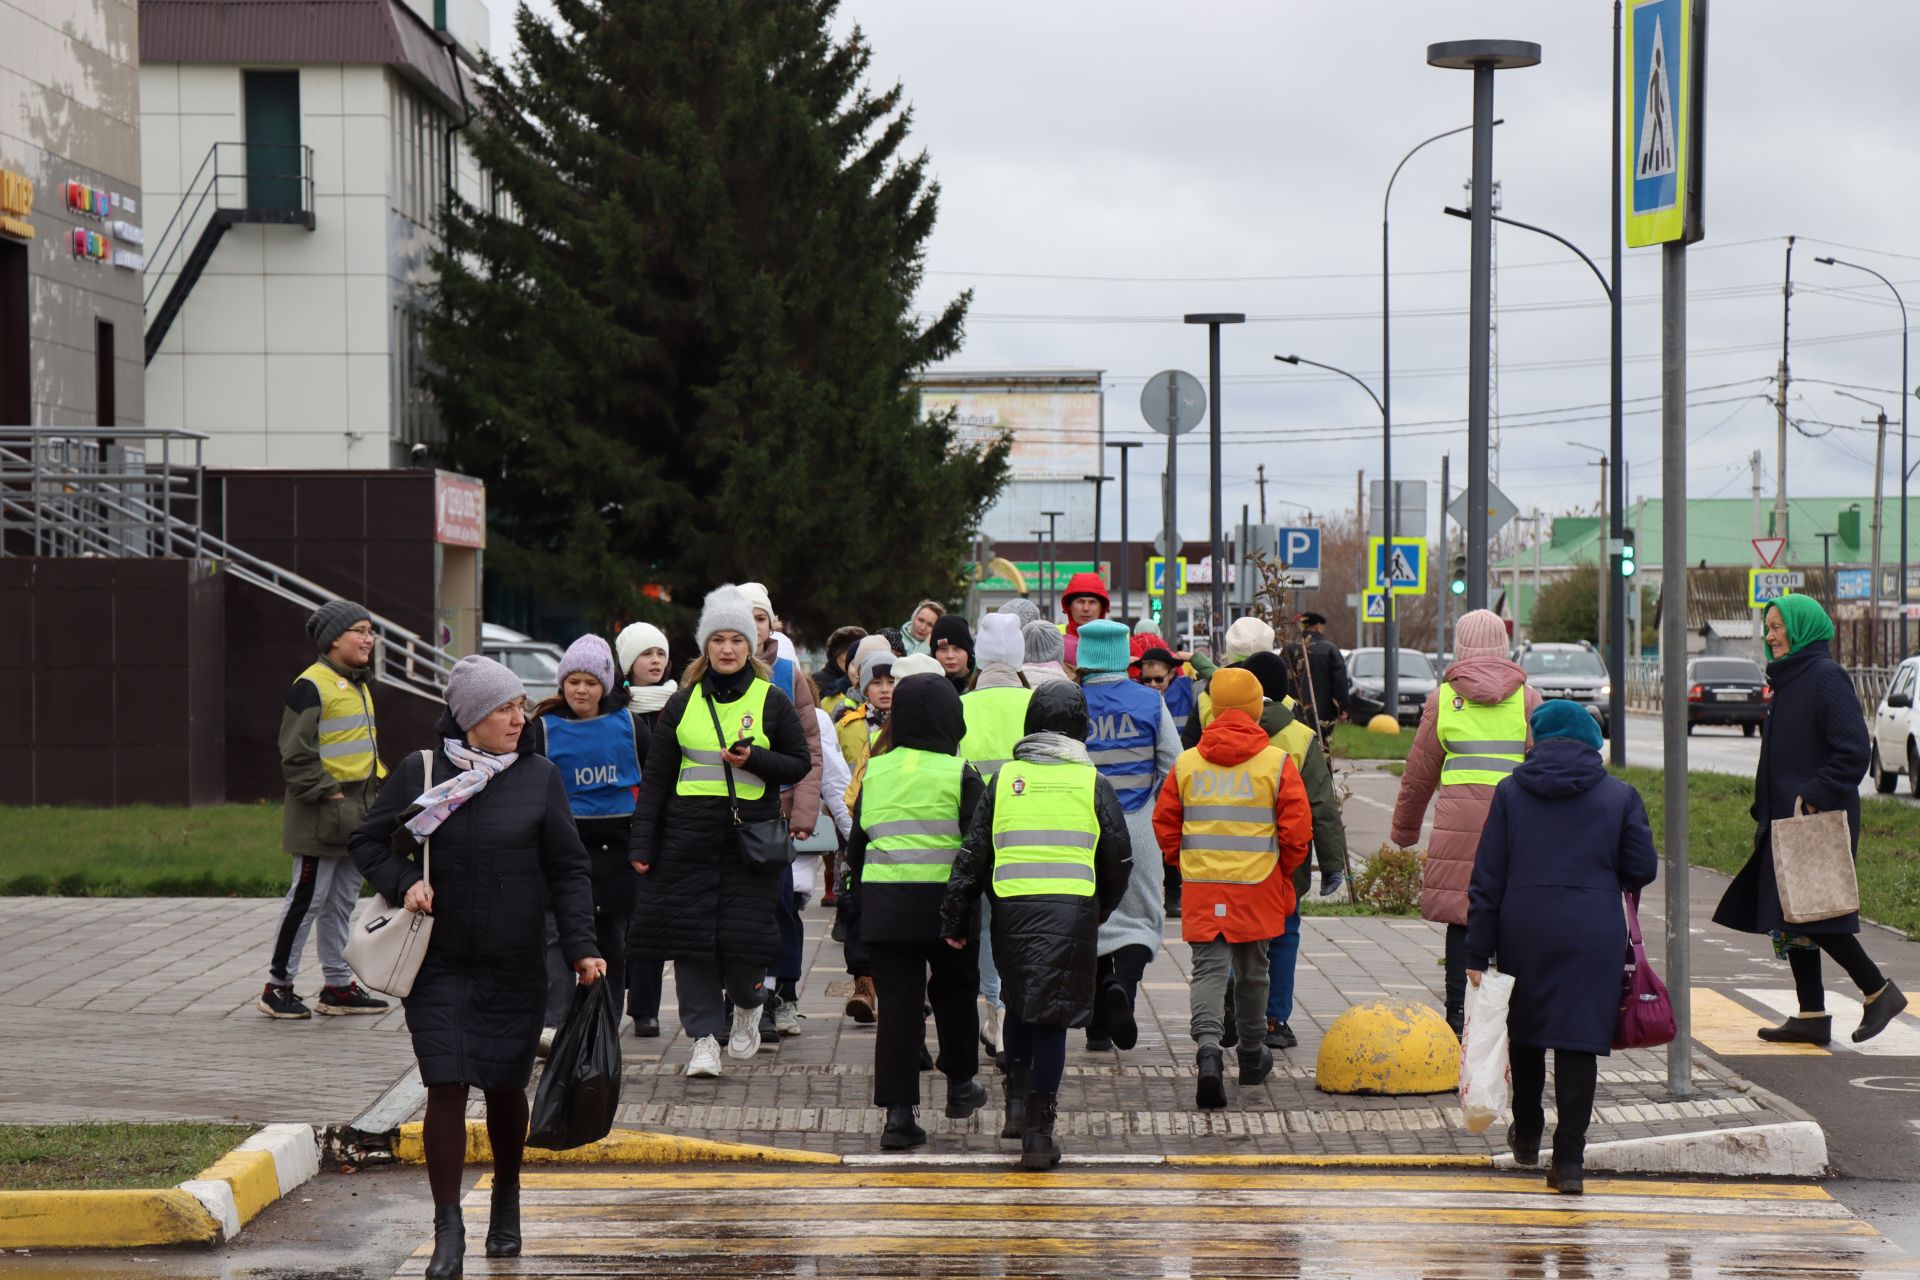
x=580 y=1088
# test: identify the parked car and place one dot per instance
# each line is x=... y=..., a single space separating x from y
x=1368 y=670
x=1896 y=733
x=536 y=662
x=1575 y=672
x=1727 y=691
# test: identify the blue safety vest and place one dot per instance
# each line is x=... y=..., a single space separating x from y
x=1123 y=727
x=1180 y=701
x=597 y=762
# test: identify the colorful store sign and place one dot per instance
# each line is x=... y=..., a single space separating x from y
x=91 y=201
x=459 y=510
x=16 y=204
x=89 y=244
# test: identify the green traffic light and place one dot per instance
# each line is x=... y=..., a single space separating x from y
x=1627 y=567
x=1458 y=586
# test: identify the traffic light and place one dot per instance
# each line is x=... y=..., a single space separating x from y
x=1154 y=608
x=1459 y=584
x=1627 y=566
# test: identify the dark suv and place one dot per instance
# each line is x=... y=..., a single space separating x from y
x=1727 y=691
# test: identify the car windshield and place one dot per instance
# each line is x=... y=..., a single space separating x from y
x=1726 y=669
x=1562 y=662
x=532 y=664
x=1371 y=664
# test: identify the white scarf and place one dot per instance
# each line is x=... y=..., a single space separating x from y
x=650 y=698
x=438 y=803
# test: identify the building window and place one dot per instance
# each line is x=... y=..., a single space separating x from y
x=416 y=418
x=16 y=360
x=419 y=153
x=273 y=140
x=104 y=413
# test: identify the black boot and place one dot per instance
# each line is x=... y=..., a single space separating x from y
x=964 y=1097
x=1798 y=1030
x=1879 y=1011
x=901 y=1132
x=1015 y=1083
x=1122 y=1029
x=1525 y=1148
x=1568 y=1177
x=1256 y=1064
x=1231 y=1035
x=1038 y=1150
x=449 y=1242
x=1211 y=1093
x=503 y=1222
x=1457 y=1019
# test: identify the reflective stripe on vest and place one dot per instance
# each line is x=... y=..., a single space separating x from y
x=1483 y=742
x=702 y=771
x=910 y=808
x=1044 y=829
x=996 y=719
x=1123 y=727
x=1227 y=833
x=349 y=746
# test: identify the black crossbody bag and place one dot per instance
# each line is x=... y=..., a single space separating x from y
x=766 y=845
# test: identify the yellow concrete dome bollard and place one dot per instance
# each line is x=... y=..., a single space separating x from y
x=1383 y=723
x=1382 y=1048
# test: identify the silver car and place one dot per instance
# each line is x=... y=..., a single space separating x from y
x=1367 y=668
x=1575 y=672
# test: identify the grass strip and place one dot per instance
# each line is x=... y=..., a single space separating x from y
x=104 y=1157
x=230 y=850
x=1352 y=742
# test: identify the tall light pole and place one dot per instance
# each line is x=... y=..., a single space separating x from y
x=1126 y=547
x=1905 y=391
x=1390 y=514
x=1099 y=484
x=1218 y=552
x=1053 y=555
x=1040 y=567
x=1483 y=58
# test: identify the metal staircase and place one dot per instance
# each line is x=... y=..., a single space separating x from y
x=70 y=492
x=238 y=182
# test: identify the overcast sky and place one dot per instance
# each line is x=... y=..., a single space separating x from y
x=1106 y=167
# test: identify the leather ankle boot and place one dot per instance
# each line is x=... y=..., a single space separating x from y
x=1038 y=1150
x=1880 y=1010
x=503 y=1221
x=1801 y=1030
x=1015 y=1084
x=901 y=1132
x=449 y=1243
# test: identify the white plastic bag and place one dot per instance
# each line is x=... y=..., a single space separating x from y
x=1486 y=1081
x=806 y=874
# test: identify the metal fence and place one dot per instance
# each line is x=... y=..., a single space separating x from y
x=1643 y=685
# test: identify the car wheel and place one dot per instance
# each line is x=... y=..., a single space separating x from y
x=1749 y=729
x=1883 y=782
x=1913 y=768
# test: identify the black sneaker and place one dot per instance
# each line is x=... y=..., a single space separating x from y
x=349 y=999
x=646 y=1028
x=1280 y=1035
x=280 y=1002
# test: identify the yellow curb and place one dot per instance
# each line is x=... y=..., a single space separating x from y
x=253 y=1177
x=622 y=1146
x=1335 y=1162
x=103 y=1219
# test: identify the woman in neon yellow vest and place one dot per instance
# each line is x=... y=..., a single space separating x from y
x=918 y=796
x=1049 y=843
x=699 y=904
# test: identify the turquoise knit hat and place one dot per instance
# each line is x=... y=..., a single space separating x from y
x=1104 y=646
x=1561 y=718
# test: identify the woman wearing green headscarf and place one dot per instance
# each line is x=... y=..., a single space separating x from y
x=1813 y=748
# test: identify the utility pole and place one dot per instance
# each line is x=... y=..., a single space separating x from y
x=1443 y=587
x=1786 y=329
x=1053 y=556
x=1040 y=568
x=1260 y=471
x=1753 y=615
x=1604 y=558
x=1826 y=565
x=1873 y=590
x=1099 y=485
x=1366 y=570
x=1217 y=533
x=1126 y=545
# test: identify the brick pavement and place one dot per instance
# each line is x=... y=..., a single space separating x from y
x=143 y=1010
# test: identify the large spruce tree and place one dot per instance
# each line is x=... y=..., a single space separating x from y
x=678 y=345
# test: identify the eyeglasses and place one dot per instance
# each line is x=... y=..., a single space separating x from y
x=362 y=630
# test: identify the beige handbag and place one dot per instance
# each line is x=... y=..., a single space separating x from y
x=1813 y=865
x=385 y=944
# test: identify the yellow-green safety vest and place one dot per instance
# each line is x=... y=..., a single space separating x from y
x=349 y=747
x=702 y=772
x=910 y=808
x=996 y=719
x=1484 y=742
x=1045 y=829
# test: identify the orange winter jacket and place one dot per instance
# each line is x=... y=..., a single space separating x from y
x=1237 y=764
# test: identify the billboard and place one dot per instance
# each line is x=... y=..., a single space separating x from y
x=1056 y=431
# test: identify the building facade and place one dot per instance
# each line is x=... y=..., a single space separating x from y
x=298 y=160
x=72 y=214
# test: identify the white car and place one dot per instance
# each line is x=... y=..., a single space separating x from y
x=1896 y=733
x=534 y=661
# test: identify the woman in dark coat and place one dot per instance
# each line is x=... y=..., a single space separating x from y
x=1561 y=842
x=1813 y=747
x=501 y=849
x=1045 y=945
x=699 y=904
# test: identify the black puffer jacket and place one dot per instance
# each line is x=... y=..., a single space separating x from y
x=608 y=840
x=497 y=863
x=1046 y=946
x=698 y=899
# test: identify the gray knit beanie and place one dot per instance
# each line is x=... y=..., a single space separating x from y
x=874 y=665
x=726 y=609
x=478 y=687
x=1023 y=609
x=1045 y=642
x=333 y=618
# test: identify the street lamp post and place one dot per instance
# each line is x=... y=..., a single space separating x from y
x=1217 y=552
x=1483 y=58
x=1053 y=554
x=1905 y=391
x=1126 y=547
x=1099 y=484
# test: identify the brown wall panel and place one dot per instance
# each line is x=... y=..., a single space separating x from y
x=16 y=775
x=16 y=625
x=331 y=507
x=73 y=629
x=154 y=776
x=77 y=709
x=73 y=775
x=150 y=706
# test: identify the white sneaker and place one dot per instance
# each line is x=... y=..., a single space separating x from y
x=545 y=1047
x=745 y=1041
x=706 y=1058
x=786 y=1018
x=993 y=1029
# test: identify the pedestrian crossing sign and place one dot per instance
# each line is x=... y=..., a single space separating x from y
x=1157 y=576
x=1405 y=566
x=1374 y=608
x=1660 y=93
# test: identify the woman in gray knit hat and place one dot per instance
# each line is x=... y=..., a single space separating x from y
x=481 y=837
x=721 y=750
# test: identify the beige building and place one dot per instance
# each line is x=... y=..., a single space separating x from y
x=72 y=214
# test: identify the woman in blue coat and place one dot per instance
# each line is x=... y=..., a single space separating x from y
x=1813 y=747
x=1562 y=841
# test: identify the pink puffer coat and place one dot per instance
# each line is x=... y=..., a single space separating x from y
x=1463 y=806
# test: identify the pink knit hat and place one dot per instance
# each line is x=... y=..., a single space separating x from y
x=1480 y=634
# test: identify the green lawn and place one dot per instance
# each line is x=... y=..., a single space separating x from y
x=143 y=851
x=1351 y=742
x=98 y=1157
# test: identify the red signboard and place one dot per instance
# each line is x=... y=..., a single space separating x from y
x=459 y=510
